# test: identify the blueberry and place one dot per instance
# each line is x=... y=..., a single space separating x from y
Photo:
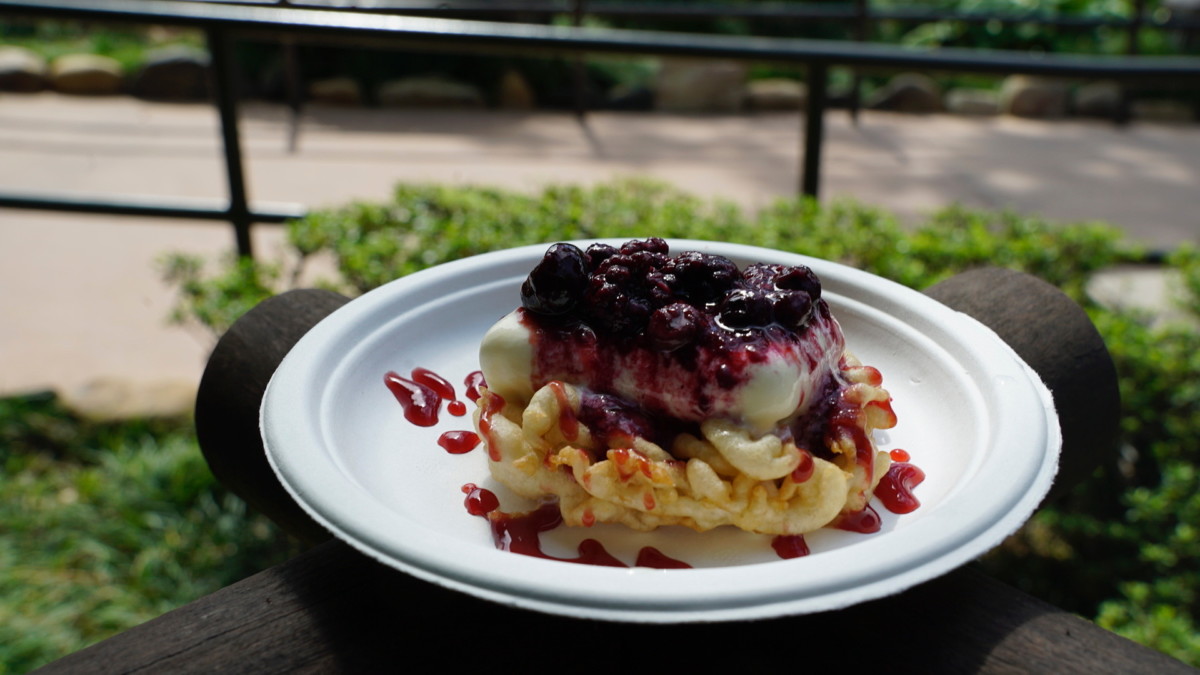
x=637 y=313
x=673 y=326
x=557 y=283
x=614 y=272
x=799 y=278
x=658 y=289
x=651 y=245
x=791 y=309
x=762 y=275
x=744 y=308
x=598 y=253
x=609 y=309
x=700 y=277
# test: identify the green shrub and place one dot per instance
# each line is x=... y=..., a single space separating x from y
x=1120 y=548
x=108 y=525
x=127 y=44
x=372 y=243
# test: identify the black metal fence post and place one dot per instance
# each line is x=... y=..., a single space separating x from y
x=579 y=65
x=225 y=94
x=814 y=128
x=293 y=84
x=862 y=31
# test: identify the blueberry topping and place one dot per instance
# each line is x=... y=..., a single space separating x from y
x=744 y=308
x=651 y=245
x=557 y=283
x=598 y=253
x=673 y=326
x=613 y=420
x=701 y=277
x=639 y=293
x=800 y=279
x=612 y=309
x=791 y=309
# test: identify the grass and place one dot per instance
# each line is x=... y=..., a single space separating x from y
x=108 y=525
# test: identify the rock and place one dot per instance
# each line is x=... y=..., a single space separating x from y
x=428 y=92
x=777 y=93
x=22 y=70
x=565 y=96
x=514 y=92
x=1184 y=12
x=630 y=97
x=690 y=85
x=175 y=73
x=1037 y=97
x=1097 y=99
x=113 y=399
x=841 y=95
x=86 y=74
x=910 y=93
x=1151 y=110
x=1147 y=289
x=978 y=102
x=336 y=91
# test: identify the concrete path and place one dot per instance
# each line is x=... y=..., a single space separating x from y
x=81 y=299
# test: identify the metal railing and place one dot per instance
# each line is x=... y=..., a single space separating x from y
x=852 y=11
x=858 y=16
x=224 y=23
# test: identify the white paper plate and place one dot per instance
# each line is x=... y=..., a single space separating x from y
x=974 y=417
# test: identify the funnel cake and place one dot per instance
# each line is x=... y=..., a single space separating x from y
x=643 y=388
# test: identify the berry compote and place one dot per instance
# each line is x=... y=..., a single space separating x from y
x=685 y=337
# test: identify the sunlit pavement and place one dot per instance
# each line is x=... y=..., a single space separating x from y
x=81 y=297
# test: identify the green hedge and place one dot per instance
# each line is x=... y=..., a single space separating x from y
x=107 y=525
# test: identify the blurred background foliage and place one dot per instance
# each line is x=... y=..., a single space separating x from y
x=108 y=525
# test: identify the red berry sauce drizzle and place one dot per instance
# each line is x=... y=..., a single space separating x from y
x=895 y=490
x=518 y=533
x=837 y=419
x=473 y=382
x=458 y=442
x=420 y=403
x=790 y=546
x=442 y=387
x=421 y=397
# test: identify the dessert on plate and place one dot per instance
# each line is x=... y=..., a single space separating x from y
x=643 y=387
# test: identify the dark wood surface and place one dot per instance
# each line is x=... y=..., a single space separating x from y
x=334 y=610
x=1057 y=339
x=231 y=390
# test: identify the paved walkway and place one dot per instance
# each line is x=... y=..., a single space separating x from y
x=81 y=299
